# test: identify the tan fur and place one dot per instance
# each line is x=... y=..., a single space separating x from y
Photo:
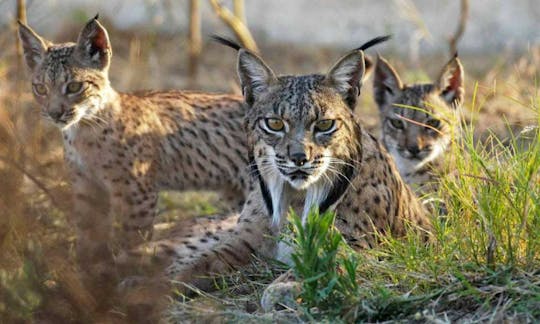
x=419 y=121
x=346 y=170
x=121 y=149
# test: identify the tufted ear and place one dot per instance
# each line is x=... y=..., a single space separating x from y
x=386 y=83
x=255 y=76
x=346 y=76
x=450 y=82
x=93 y=46
x=34 y=47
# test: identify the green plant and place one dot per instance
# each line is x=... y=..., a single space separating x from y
x=324 y=263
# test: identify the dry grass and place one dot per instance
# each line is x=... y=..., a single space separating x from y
x=38 y=277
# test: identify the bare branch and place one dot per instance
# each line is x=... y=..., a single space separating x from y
x=194 y=37
x=21 y=16
x=35 y=180
x=463 y=17
x=237 y=26
x=239 y=10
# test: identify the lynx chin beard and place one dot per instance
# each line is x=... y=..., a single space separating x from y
x=313 y=181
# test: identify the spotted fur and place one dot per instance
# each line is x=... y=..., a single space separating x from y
x=122 y=148
x=341 y=168
x=419 y=121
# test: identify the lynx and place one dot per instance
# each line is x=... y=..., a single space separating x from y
x=306 y=150
x=121 y=149
x=419 y=121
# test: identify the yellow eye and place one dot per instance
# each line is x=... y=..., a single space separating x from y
x=73 y=87
x=40 y=89
x=275 y=124
x=324 y=125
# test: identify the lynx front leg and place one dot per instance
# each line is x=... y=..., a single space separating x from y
x=252 y=235
x=133 y=206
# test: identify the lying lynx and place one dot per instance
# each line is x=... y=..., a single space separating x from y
x=121 y=149
x=306 y=150
x=418 y=121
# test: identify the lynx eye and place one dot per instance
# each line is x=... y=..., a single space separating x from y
x=40 y=89
x=433 y=123
x=324 y=125
x=275 y=124
x=397 y=123
x=73 y=87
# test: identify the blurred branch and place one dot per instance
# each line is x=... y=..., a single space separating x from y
x=21 y=16
x=194 y=37
x=239 y=10
x=463 y=17
x=236 y=25
x=35 y=180
x=409 y=12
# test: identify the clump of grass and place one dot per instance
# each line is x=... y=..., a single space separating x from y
x=483 y=261
x=324 y=264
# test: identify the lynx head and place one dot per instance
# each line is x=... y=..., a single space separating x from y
x=69 y=79
x=301 y=129
x=417 y=120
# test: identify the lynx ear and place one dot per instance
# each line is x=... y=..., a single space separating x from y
x=346 y=76
x=33 y=46
x=93 y=46
x=386 y=83
x=368 y=67
x=450 y=82
x=255 y=76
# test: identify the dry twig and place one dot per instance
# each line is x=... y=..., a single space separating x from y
x=237 y=26
x=463 y=16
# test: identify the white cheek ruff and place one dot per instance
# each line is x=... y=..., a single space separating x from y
x=274 y=183
x=276 y=187
x=69 y=150
x=317 y=186
x=438 y=149
x=407 y=166
x=315 y=195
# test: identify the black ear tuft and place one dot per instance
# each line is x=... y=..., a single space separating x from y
x=96 y=17
x=373 y=42
x=348 y=74
x=226 y=41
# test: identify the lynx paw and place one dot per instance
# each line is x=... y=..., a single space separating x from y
x=283 y=292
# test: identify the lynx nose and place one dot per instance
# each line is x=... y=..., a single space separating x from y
x=56 y=114
x=414 y=149
x=299 y=159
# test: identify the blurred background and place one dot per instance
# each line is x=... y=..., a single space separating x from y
x=162 y=44
x=493 y=25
